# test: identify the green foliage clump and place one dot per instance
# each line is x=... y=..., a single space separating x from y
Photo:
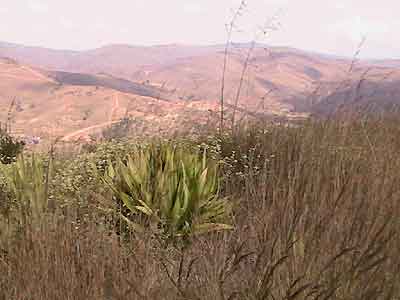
x=169 y=188
x=74 y=177
x=28 y=181
x=9 y=147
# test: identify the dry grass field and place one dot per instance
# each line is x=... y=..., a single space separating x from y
x=315 y=216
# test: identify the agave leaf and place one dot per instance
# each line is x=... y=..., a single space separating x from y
x=203 y=180
x=125 y=174
x=144 y=210
x=204 y=162
x=134 y=226
x=110 y=170
x=186 y=197
x=127 y=200
x=175 y=214
x=144 y=204
x=209 y=227
x=184 y=213
x=133 y=171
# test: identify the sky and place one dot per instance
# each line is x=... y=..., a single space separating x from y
x=327 y=26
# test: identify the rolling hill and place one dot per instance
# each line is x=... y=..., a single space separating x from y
x=58 y=107
x=74 y=94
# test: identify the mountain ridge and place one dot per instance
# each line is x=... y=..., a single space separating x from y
x=55 y=85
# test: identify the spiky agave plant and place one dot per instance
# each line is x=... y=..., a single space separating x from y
x=28 y=180
x=174 y=189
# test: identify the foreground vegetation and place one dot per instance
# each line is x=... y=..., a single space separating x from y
x=269 y=212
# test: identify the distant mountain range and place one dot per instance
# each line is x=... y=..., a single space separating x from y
x=171 y=83
x=387 y=63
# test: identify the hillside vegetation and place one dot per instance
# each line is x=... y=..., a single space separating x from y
x=267 y=212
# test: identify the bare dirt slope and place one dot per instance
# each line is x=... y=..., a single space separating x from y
x=73 y=94
x=44 y=107
x=277 y=77
x=194 y=72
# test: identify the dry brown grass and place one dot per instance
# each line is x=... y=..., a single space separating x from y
x=317 y=217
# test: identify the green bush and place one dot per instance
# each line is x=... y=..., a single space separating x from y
x=9 y=147
x=74 y=178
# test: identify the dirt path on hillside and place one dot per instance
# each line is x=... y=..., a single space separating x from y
x=114 y=108
x=71 y=135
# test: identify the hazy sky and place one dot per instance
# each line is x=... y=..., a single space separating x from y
x=328 y=26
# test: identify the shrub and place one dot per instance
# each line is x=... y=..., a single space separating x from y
x=9 y=147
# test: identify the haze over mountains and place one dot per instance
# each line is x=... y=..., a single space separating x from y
x=74 y=93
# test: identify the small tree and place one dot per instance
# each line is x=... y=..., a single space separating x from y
x=9 y=147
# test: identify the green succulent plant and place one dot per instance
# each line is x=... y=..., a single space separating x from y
x=169 y=188
x=28 y=180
